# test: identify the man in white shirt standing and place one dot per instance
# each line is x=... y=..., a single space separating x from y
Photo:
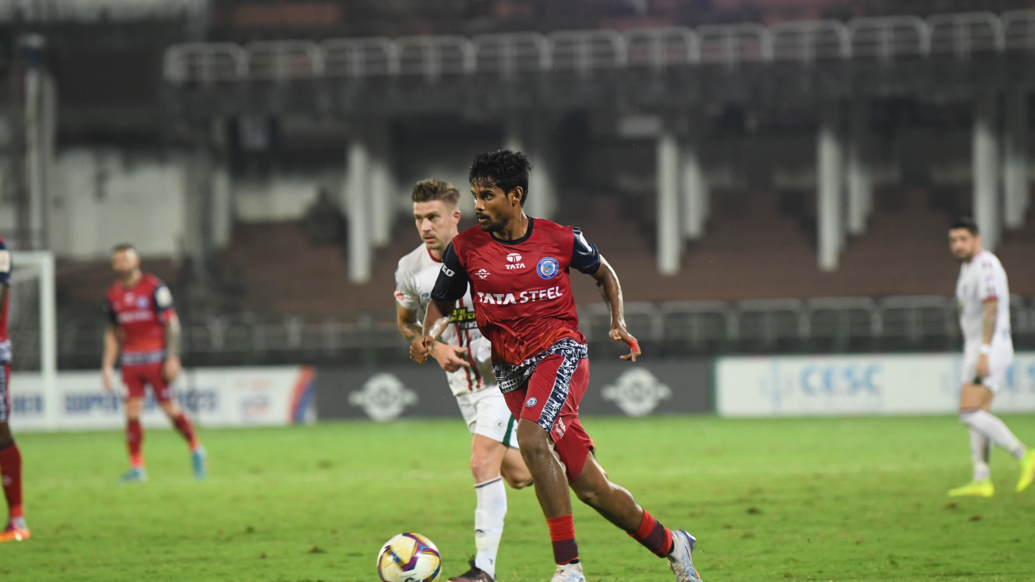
x=984 y=303
x=466 y=357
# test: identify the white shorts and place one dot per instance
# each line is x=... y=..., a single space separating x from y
x=999 y=361
x=487 y=414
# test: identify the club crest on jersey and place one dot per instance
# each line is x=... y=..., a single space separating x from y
x=548 y=268
x=514 y=262
x=481 y=273
x=141 y=302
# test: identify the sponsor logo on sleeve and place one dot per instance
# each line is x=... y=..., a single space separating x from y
x=548 y=268
x=581 y=246
x=5 y=261
x=163 y=297
x=449 y=272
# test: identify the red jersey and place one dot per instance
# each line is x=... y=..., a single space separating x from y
x=140 y=312
x=5 y=279
x=521 y=288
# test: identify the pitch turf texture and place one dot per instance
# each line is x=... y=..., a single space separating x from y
x=809 y=499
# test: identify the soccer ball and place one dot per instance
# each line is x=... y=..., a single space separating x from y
x=409 y=557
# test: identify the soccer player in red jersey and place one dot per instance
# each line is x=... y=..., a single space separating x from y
x=10 y=456
x=143 y=324
x=518 y=270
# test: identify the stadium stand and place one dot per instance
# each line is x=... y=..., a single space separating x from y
x=751 y=285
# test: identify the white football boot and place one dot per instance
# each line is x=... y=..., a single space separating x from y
x=680 y=559
x=569 y=573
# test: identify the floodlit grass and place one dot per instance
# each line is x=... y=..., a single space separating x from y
x=811 y=499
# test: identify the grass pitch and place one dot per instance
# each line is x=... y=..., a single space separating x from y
x=811 y=499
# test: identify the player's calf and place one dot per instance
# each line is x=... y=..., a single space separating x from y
x=514 y=471
x=11 y=477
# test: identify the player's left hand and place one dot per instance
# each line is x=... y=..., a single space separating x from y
x=171 y=368
x=620 y=334
x=983 y=369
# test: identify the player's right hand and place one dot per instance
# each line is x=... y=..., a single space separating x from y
x=620 y=334
x=450 y=357
x=420 y=348
x=106 y=375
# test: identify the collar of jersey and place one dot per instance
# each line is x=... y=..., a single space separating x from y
x=431 y=255
x=517 y=241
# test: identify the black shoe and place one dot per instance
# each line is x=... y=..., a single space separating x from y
x=475 y=574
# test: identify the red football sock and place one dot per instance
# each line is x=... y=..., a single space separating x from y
x=654 y=536
x=187 y=430
x=562 y=532
x=11 y=475
x=135 y=441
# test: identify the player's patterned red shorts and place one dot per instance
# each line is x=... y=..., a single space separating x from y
x=5 y=392
x=550 y=398
x=137 y=376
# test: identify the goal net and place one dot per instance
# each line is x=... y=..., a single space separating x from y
x=32 y=326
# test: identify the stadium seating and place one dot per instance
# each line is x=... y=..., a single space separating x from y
x=750 y=285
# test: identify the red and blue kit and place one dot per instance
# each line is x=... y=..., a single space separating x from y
x=5 y=340
x=140 y=313
x=525 y=307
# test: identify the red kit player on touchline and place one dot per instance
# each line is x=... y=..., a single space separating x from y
x=142 y=322
x=10 y=456
x=518 y=270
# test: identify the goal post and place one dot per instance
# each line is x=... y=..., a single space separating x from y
x=33 y=316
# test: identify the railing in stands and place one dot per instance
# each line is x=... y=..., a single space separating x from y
x=842 y=324
x=962 y=36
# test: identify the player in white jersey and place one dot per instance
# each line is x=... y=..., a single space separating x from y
x=984 y=304
x=465 y=356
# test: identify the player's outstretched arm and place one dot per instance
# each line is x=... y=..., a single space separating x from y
x=435 y=323
x=449 y=357
x=611 y=290
x=111 y=353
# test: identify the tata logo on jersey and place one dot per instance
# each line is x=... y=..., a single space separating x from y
x=522 y=297
x=134 y=316
x=514 y=262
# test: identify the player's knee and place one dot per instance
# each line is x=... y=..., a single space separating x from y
x=534 y=441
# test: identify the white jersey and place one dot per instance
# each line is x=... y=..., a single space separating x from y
x=981 y=279
x=414 y=280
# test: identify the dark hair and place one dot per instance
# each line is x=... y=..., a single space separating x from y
x=122 y=247
x=965 y=222
x=504 y=169
x=428 y=190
